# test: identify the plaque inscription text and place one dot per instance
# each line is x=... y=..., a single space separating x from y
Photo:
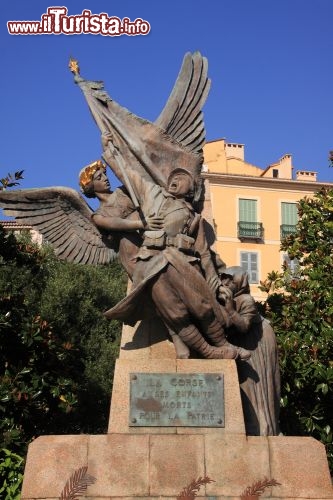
x=177 y=399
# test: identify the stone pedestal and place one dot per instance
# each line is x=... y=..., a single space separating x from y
x=158 y=462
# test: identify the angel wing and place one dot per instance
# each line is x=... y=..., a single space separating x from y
x=182 y=116
x=155 y=149
x=64 y=219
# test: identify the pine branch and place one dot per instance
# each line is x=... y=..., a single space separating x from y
x=77 y=484
x=259 y=487
x=190 y=491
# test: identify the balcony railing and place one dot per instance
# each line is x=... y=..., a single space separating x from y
x=286 y=230
x=250 y=231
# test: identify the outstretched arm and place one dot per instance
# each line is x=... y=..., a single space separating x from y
x=119 y=224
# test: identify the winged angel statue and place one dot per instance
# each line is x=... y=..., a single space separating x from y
x=150 y=221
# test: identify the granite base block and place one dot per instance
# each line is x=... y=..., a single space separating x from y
x=160 y=466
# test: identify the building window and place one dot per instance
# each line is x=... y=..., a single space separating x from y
x=247 y=210
x=289 y=218
x=248 y=226
x=275 y=173
x=249 y=264
x=291 y=265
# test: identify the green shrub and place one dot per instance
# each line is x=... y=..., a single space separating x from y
x=37 y=382
x=300 y=306
x=11 y=477
x=57 y=351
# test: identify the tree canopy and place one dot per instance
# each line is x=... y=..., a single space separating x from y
x=57 y=351
x=300 y=305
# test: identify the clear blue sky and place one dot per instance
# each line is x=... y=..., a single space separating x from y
x=270 y=62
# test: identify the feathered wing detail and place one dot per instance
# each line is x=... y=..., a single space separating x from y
x=63 y=218
x=182 y=116
x=155 y=149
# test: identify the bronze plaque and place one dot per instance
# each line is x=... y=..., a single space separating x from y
x=176 y=399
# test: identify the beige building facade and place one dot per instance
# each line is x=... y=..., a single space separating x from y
x=251 y=208
x=18 y=228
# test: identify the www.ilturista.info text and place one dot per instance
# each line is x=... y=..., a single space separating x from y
x=56 y=22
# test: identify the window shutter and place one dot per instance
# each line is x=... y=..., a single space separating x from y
x=249 y=264
x=289 y=213
x=291 y=264
x=247 y=210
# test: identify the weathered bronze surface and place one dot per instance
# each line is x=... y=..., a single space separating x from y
x=176 y=399
x=153 y=223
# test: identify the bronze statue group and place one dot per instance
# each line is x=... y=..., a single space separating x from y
x=152 y=224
